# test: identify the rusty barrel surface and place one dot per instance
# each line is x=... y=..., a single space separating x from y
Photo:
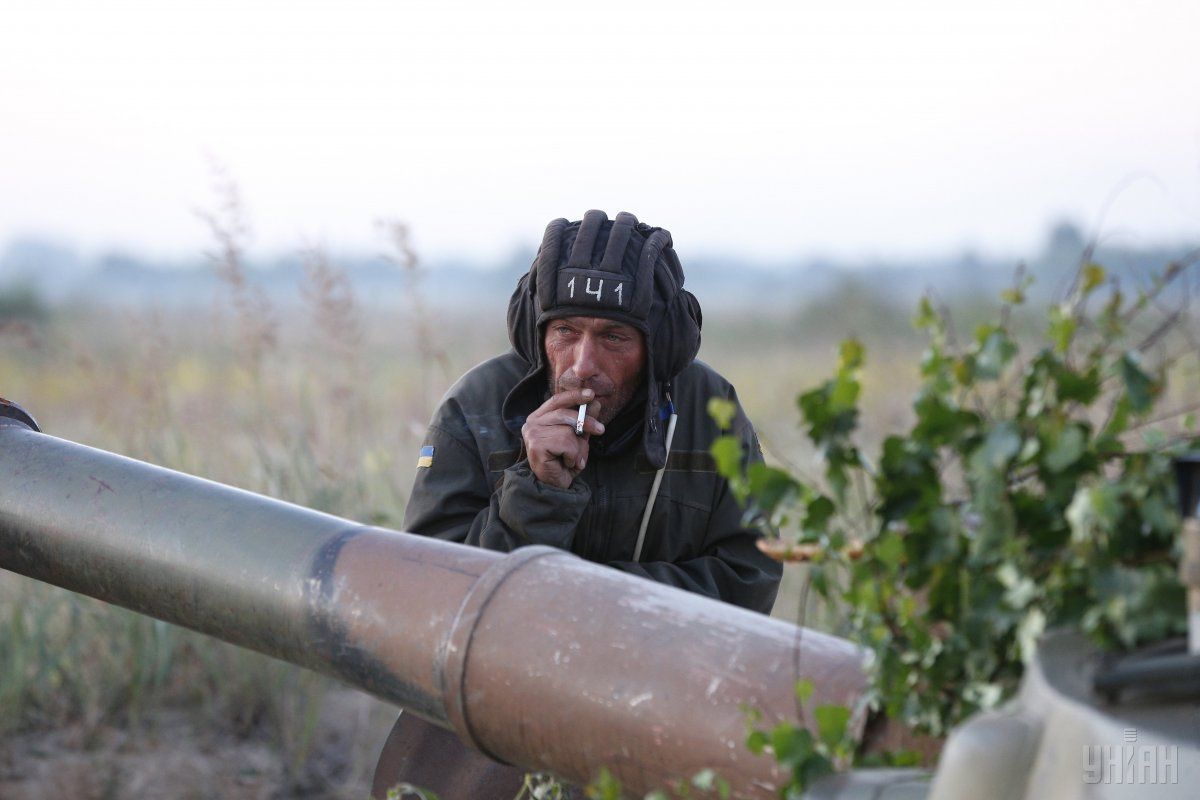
x=536 y=658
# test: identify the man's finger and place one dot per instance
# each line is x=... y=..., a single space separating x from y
x=571 y=397
x=574 y=460
x=593 y=412
x=591 y=425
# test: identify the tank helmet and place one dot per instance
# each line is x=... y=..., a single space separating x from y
x=619 y=269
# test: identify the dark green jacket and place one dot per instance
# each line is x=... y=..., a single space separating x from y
x=479 y=489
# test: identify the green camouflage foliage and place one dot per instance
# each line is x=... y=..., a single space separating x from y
x=1025 y=495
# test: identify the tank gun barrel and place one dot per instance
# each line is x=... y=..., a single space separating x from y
x=536 y=657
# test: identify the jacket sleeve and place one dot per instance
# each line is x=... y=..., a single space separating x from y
x=453 y=500
x=730 y=566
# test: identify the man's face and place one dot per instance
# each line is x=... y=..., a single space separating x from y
x=599 y=354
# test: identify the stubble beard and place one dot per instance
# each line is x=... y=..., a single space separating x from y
x=613 y=399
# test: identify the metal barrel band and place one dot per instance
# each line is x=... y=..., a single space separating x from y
x=452 y=660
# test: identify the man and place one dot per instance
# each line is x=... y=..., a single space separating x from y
x=601 y=318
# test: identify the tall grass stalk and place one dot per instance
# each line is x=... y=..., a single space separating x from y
x=321 y=406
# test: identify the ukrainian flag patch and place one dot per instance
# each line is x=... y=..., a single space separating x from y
x=426 y=457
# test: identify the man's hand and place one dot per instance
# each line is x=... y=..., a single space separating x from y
x=555 y=453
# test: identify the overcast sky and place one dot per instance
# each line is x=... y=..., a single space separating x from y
x=771 y=129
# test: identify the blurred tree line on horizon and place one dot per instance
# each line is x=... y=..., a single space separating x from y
x=37 y=274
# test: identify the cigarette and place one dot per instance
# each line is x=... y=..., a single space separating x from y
x=579 y=420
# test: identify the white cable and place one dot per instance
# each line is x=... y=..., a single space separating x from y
x=637 y=550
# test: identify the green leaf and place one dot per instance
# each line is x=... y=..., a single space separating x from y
x=1014 y=296
x=727 y=452
x=926 y=318
x=988 y=468
x=1119 y=421
x=818 y=575
x=889 y=549
x=935 y=368
x=965 y=370
x=1111 y=319
x=804 y=690
x=790 y=743
x=1140 y=388
x=1029 y=632
x=889 y=758
x=830 y=410
x=831 y=723
x=998 y=449
x=705 y=779
x=604 y=787
x=984 y=695
x=1093 y=513
x=769 y=486
x=722 y=412
x=756 y=742
x=813 y=769
x=1020 y=588
x=1078 y=387
x=1069 y=446
x=1062 y=327
x=851 y=355
x=908 y=481
x=939 y=422
x=995 y=352
x=817 y=514
x=1093 y=276
x=843 y=393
